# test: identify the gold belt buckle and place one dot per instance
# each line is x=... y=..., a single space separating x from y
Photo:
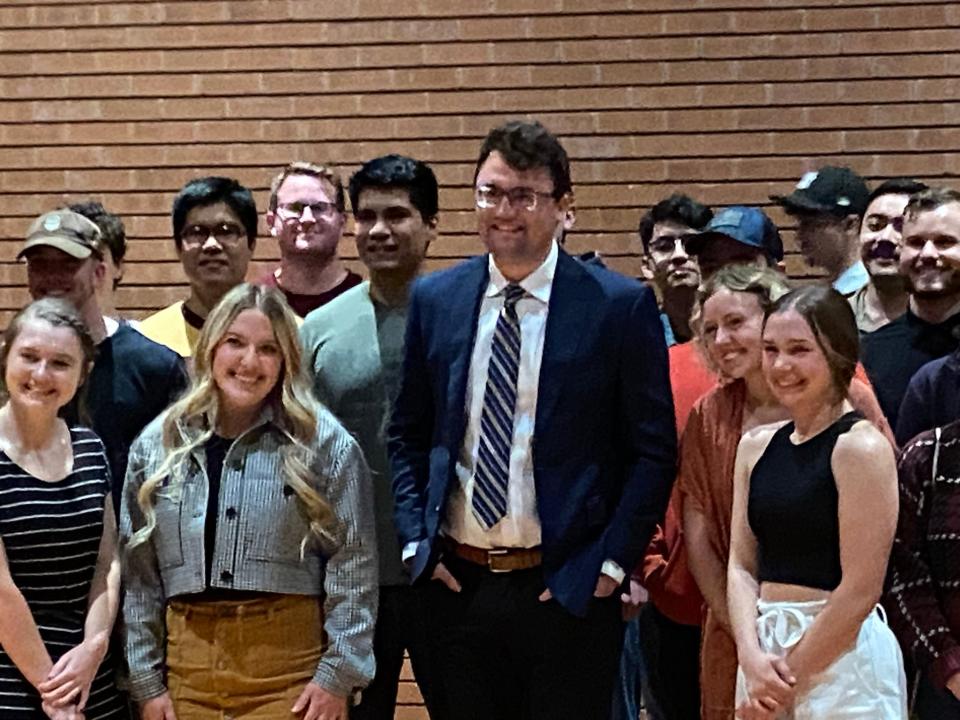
x=492 y=556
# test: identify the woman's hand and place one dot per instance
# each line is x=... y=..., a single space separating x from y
x=67 y=712
x=770 y=686
x=158 y=708
x=72 y=675
x=318 y=704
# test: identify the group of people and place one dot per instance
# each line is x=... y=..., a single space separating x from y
x=564 y=492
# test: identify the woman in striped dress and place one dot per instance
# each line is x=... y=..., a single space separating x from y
x=59 y=568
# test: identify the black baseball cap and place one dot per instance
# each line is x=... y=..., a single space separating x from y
x=838 y=191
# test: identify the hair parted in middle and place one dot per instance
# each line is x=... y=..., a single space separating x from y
x=295 y=411
x=833 y=324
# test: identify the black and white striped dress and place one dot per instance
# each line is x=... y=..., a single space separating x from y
x=51 y=533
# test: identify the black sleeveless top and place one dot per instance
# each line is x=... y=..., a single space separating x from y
x=792 y=509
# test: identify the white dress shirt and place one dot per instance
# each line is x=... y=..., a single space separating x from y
x=520 y=527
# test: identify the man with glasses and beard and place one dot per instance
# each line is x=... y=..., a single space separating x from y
x=306 y=215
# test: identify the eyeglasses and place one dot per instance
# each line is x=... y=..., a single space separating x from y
x=490 y=196
x=294 y=210
x=225 y=233
x=668 y=243
x=877 y=222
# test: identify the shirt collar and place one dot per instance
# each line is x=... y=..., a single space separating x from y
x=851 y=279
x=537 y=284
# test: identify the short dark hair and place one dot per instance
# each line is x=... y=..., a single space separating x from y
x=398 y=171
x=831 y=319
x=113 y=234
x=210 y=190
x=931 y=199
x=301 y=167
x=897 y=186
x=678 y=208
x=526 y=145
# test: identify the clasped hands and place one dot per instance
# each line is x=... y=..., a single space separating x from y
x=65 y=692
x=771 y=687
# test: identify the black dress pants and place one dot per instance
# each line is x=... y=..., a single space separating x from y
x=502 y=654
x=401 y=625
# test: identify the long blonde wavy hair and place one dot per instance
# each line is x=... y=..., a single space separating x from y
x=294 y=411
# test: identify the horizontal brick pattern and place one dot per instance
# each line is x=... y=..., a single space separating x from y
x=729 y=100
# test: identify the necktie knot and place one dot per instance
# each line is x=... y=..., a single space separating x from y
x=512 y=294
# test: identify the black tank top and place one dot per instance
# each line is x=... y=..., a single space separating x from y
x=792 y=509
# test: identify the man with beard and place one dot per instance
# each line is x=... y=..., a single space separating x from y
x=930 y=261
x=214 y=231
x=827 y=205
x=884 y=298
x=306 y=216
x=666 y=263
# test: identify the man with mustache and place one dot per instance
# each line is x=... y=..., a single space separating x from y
x=884 y=298
x=827 y=205
x=930 y=262
x=306 y=216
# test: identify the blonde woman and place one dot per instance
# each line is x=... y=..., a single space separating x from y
x=247 y=527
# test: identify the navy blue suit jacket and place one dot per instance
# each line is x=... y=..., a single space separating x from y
x=604 y=446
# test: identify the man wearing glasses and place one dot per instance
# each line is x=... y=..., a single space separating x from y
x=884 y=298
x=306 y=216
x=666 y=262
x=214 y=231
x=533 y=448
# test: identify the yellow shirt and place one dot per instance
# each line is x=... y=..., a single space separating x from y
x=169 y=327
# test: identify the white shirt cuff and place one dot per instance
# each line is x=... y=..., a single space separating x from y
x=612 y=570
x=409 y=550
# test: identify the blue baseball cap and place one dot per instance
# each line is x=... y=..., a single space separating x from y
x=747 y=225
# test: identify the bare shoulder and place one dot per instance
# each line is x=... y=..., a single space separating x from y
x=754 y=442
x=863 y=453
x=863 y=442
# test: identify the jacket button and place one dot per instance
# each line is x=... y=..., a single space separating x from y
x=226 y=576
x=231 y=513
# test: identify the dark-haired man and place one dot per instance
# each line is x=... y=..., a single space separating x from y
x=113 y=235
x=133 y=379
x=884 y=298
x=306 y=216
x=930 y=261
x=666 y=262
x=354 y=344
x=214 y=231
x=531 y=460
x=828 y=205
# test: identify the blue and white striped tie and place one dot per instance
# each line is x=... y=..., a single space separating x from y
x=496 y=420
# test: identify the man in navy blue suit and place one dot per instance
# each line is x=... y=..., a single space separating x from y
x=533 y=448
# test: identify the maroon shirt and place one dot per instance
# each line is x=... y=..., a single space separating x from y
x=923 y=595
x=304 y=304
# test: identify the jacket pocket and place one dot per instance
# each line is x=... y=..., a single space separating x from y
x=167 y=536
x=282 y=531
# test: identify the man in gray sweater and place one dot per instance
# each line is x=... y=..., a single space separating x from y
x=354 y=346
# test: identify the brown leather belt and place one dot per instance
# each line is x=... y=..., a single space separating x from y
x=496 y=560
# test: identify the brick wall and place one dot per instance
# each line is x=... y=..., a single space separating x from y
x=727 y=99
x=124 y=101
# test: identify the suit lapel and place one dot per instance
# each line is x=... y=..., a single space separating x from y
x=569 y=321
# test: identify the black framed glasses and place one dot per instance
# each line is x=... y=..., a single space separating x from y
x=225 y=233
x=490 y=196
